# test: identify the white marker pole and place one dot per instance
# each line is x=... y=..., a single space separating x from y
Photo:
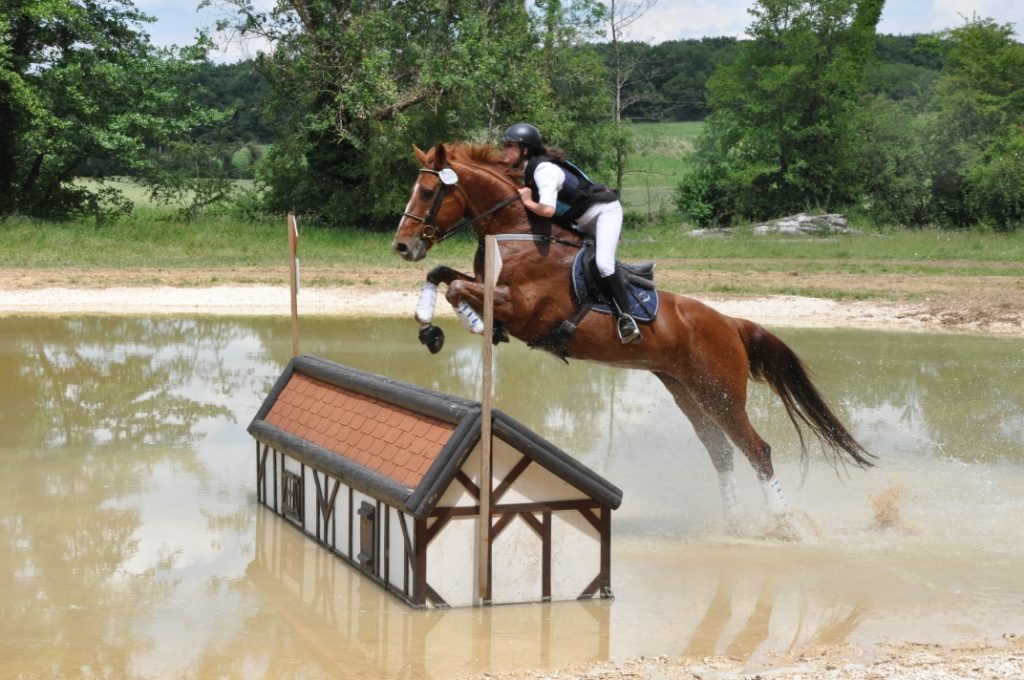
x=492 y=267
x=293 y=279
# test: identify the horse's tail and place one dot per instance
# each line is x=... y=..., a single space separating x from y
x=772 y=361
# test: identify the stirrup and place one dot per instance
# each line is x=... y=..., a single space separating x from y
x=628 y=329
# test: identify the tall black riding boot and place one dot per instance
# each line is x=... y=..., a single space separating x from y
x=628 y=329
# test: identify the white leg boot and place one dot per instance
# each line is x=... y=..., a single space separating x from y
x=773 y=496
x=727 y=487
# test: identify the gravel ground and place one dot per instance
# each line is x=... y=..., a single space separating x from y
x=902 y=662
x=988 y=305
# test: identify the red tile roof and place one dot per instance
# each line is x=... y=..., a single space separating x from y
x=388 y=439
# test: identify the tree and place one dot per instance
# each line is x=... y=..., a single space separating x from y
x=362 y=80
x=240 y=88
x=976 y=136
x=779 y=135
x=568 y=81
x=902 y=70
x=625 y=70
x=191 y=174
x=80 y=84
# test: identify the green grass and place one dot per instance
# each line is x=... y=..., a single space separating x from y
x=150 y=239
x=147 y=241
x=868 y=251
x=664 y=152
x=153 y=237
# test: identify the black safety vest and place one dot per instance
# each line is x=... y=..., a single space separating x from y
x=577 y=194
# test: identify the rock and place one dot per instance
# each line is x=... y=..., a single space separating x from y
x=800 y=224
x=703 y=233
x=803 y=224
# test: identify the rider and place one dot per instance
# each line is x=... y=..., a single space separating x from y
x=557 y=189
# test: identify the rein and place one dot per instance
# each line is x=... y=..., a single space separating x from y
x=539 y=238
x=469 y=222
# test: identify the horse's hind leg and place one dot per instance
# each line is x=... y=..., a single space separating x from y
x=724 y=402
x=734 y=421
x=759 y=453
x=714 y=440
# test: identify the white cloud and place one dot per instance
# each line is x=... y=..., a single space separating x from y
x=683 y=19
x=177 y=20
x=676 y=20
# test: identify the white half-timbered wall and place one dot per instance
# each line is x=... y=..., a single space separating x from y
x=330 y=515
x=547 y=542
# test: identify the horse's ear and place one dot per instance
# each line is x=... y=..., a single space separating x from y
x=421 y=155
x=440 y=158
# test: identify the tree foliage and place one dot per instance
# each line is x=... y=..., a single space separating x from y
x=667 y=81
x=780 y=131
x=931 y=134
x=79 y=85
x=976 y=136
x=952 y=154
x=360 y=81
x=241 y=89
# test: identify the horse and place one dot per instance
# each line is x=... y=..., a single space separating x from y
x=703 y=357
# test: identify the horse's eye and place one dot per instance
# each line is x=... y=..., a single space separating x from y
x=426 y=194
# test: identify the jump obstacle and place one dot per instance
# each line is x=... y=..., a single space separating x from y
x=386 y=476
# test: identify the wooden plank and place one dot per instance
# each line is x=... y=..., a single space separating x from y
x=545 y=591
x=512 y=476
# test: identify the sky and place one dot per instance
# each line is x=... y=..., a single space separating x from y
x=177 y=20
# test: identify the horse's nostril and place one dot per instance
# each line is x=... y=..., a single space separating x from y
x=399 y=247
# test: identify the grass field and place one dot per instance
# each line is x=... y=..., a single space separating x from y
x=153 y=237
x=146 y=241
x=653 y=172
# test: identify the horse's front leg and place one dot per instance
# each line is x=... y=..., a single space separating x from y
x=428 y=296
x=467 y=297
x=430 y=335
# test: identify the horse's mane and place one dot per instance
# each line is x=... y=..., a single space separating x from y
x=483 y=154
x=488 y=156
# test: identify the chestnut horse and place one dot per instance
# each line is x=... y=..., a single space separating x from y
x=703 y=357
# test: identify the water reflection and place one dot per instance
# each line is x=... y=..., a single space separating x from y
x=131 y=543
x=946 y=396
x=101 y=382
x=352 y=628
x=737 y=624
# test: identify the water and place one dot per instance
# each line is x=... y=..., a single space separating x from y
x=131 y=543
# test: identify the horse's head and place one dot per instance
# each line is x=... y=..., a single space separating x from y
x=458 y=186
x=436 y=204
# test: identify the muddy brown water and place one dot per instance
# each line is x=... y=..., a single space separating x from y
x=132 y=544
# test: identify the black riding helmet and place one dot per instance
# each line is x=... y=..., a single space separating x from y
x=525 y=134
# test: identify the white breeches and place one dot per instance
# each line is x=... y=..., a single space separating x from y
x=604 y=222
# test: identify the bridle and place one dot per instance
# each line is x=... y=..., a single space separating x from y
x=448 y=178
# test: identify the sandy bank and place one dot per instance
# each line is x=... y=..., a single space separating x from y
x=269 y=300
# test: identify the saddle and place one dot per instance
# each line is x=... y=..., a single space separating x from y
x=639 y=280
x=591 y=296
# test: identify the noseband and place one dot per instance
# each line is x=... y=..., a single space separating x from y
x=429 y=230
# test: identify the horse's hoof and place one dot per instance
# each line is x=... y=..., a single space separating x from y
x=500 y=335
x=432 y=337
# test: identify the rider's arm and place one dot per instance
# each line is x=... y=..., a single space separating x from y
x=533 y=206
x=549 y=178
